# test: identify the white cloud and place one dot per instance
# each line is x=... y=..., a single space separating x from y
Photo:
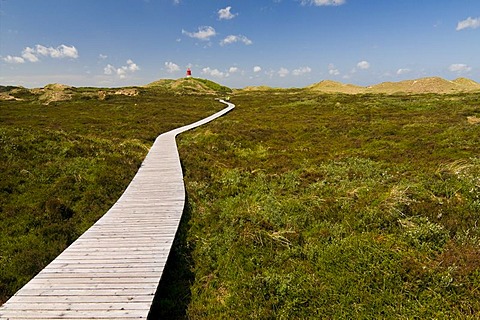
x=319 y=3
x=283 y=72
x=225 y=14
x=332 y=70
x=233 y=39
x=61 y=51
x=213 y=72
x=67 y=52
x=171 y=67
x=257 y=69
x=469 y=23
x=204 y=33
x=459 y=68
x=123 y=71
x=44 y=51
x=102 y=56
x=233 y=70
x=364 y=65
x=403 y=71
x=301 y=71
x=132 y=66
x=109 y=69
x=29 y=54
x=14 y=60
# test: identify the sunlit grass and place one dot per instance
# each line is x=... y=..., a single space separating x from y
x=63 y=165
x=299 y=205
x=335 y=206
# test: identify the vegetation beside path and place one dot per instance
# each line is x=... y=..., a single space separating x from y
x=307 y=206
x=300 y=204
x=63 y=165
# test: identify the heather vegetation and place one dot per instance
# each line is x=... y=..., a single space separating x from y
x=333 y=206
x=301 y=205
x=63 y=165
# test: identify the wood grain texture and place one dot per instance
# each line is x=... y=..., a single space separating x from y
x=112 y=271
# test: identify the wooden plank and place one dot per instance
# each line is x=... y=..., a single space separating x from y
x=79 y=299
x=76 y=314
x=81 y=306
x=86 y=292
x=113 y=269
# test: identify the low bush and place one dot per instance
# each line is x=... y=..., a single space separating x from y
x=62 y=166
x=335 y=207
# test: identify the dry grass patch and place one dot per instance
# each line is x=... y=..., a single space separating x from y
x=473 y=120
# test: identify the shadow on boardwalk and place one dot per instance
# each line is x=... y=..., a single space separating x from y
x=173 y=293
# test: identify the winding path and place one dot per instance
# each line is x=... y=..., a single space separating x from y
x=112 y=271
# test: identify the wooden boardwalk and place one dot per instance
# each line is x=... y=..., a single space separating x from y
x=112 y=271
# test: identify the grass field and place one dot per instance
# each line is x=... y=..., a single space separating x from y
x=63 y=165
x=335 y=207
x=300 y=205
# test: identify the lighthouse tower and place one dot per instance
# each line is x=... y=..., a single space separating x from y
x=189 y=73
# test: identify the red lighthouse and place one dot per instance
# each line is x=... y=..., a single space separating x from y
x=189 y=73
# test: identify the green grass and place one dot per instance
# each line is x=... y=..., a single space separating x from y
x=214 y=86
x=336 y=207
x=62 y=166
x=300 y=206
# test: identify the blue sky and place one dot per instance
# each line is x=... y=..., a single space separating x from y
x=281 y=43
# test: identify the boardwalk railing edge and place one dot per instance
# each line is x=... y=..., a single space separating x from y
x=112 y=270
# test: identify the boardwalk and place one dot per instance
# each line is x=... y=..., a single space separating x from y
x=112 y=271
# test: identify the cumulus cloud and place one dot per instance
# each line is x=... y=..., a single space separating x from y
x=469 y=23
x=123 y=71
x=132 y=66
x=29 y=54
x=109 y=69
x=171 y=67
x=233 y=39
x=14 y=60
x=204 y=33
x=403 y=71
x=332 y=70
x=320 y=3
x=34 y=54
x=363 y=65
x=233 y=70
x=459 y=68
x=283 y=72
x=61 y=51
x=301 y=71
x=213 y=72
x=102 y=56
x=257 y=69
x=226 y=14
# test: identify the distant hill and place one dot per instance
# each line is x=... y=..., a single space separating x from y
x=423 y=85
x=58 y=92
x=190 y=86
x=329 y=86
x=426 y=85
x=258 y=88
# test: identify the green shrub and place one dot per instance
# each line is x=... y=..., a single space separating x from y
x=334 y=206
